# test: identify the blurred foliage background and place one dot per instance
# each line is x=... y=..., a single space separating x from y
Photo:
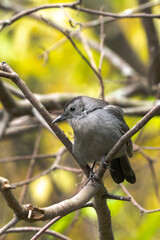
x=22 y=46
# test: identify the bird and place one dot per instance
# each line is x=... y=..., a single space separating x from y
x=97 y=127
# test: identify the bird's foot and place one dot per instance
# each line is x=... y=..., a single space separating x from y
x=106 y=165
x=91 y=174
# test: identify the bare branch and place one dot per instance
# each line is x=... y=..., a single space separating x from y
x=6 y=99
x=103 y=214
x=67 y=34
x=4 y=123
x=92 y=62
x=53 y=167
x=18 y=130
x=129 y=11
x=31 y=213
x=151 y=33
x=150 y=148
x=142 y=210
x=15 y=91
x=116 y=60
x=37 y=229
x=88 y=50
x=12 y=202
x=27 y=157
x=9 y=225
x=19 y=82
x=117 y=16
x=39 y=233
x=31 y=165
x=35 y=9
x=152 y=169
x=117 y=197
x=73 y=6
x=102 y=38
x=70 y=205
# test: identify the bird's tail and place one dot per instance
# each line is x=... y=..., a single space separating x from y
x=121 y=169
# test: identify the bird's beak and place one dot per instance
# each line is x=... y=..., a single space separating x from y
x=59 y=119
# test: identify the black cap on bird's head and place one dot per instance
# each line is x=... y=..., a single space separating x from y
x=72 y=108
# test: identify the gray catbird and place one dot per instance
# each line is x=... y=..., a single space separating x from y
x=97 y=127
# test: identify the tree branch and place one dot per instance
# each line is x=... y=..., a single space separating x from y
x=42 y=230
x=36 y=229
x=30 y=213
x=7 y=72
x=35 y=9
x=31 y=165
x=12 y=202
x=103 y=214
x=9 y=225
x=6 y=99
x=21 y=84
x=150 y=30
x=142 y=210
x=73 y=6
x=116 y=16
x=6 y=117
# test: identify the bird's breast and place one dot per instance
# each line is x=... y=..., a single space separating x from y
x=94 y=137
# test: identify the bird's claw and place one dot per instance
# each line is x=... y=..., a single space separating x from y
x=91 y=174
x=105 y=164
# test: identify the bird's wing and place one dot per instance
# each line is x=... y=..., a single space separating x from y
x=118 y=113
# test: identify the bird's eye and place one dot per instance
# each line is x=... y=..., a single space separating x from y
x=72 y=109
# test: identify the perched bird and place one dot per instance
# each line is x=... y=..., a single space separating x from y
x=97 y=127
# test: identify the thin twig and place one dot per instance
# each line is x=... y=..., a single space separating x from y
x=116 y=60
x=129 y=11
x=73 y=6
x=8 y=225
x=142 y=210
x=45 y=227
x=151 y=33
x=150 y=148
x=7 y=72
x=102 y=38
x=15 y=91
x=26 y=157
x=153 y=173
x=6 y=117
x=34 y=9
x=70 y=169
x=117 y=197
x=53 y=167
x=88 y=50
x=46 y=52
x=72 y=224
x=7 y=101
x=31 y=165
x=67 y=34
x=36 y=229
x=72 y=22
x=115 y=15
